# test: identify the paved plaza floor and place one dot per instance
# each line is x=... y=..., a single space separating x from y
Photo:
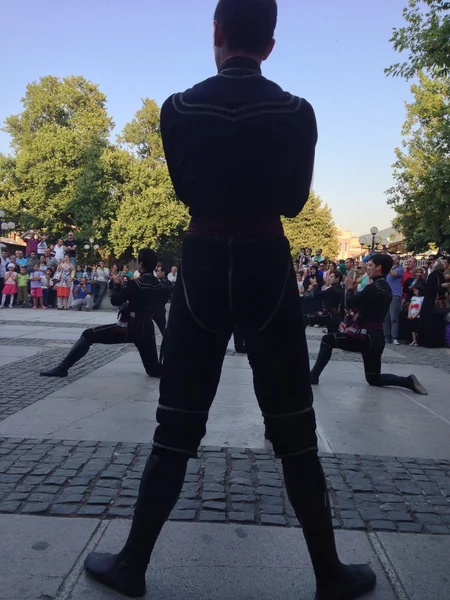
x=72 y=451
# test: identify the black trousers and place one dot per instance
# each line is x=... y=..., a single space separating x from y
x=328 y=320
x=370 y=346
x=215 y=294
x=141 y=334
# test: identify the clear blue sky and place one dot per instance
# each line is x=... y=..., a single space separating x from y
x=331 y=52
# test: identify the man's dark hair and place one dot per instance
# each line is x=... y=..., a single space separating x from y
x=384 y=260
x=148 y=259
x=338 y=275
x=352 y=260
x=248 y=25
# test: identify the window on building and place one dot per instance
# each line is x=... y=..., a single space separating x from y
x=345 y=248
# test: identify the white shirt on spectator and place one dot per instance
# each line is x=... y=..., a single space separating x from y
x=59 y=252
x=101 y=274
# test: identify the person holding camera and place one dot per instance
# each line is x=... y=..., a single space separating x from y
x=83 y=295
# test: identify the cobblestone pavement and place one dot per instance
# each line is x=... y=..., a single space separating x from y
x=21 y=383
x=91 y=479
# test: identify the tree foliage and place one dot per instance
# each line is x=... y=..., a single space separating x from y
x=425 y=37
x=421 y=196
x=55 y=181
x=149 y=213
x=313 y=228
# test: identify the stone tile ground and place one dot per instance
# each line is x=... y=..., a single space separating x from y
x=21 y=384
x=371 y=493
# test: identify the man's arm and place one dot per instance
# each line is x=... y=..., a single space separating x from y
x=167 y=122
x=305 y=161
x=353 y=300
x=396 y=271
x=119 y=294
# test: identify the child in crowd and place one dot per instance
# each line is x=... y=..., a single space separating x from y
x=47 y=287
x=414 y=309
x=10 y=286
x=36 y=287
x=22 y=287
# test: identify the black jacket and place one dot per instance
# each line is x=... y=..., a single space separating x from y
x=332 y=297
x=145 y=295
x=236 y=144
x=372 y=303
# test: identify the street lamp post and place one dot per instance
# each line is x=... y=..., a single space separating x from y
x=5 y=226
x=92 y=247
x=376 y=240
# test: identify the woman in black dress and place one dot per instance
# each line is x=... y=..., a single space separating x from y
x=432 y=334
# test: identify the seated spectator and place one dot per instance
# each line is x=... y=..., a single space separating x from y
x=172 y=276
x=82 y=294
x=125 y=272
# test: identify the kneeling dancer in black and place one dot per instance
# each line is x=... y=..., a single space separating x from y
x=143 y=296
x=366 y=336
x=332 y=299
x=240 y=152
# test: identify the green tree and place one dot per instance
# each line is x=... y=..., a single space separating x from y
x=425 y=37
x=149 y=213
x=421 y=195
x=313 y=228
x=58 y=140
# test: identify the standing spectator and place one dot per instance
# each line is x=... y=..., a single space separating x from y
x=22 y=287
x=70 y=248
x=172 y=276
x=31 y=238
x=392 y=320
x=430 y=263
x=64 y=284
x=42 y=264
x=414 y=309
x=36 y=287
x=31 y=261
x=42 y=244
x=362 y=279
x=47 y=288
x=3 y=262
x=20 y=259
x=411 y=265
x=432 y=324
x=49 y=259
x=13 y=261
x=83 y=295
x=59 y=250
x=318 y=258
x=10 y=286
x=101 y=278
x=350 y=267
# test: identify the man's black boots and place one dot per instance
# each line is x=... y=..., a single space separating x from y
x=78 y=350
x=160 y=487
x=307 y=493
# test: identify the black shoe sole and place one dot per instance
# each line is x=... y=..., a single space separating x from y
x=43 y=374
x=418 y=387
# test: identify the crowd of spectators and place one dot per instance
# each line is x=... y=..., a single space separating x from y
x=48 y=275
x=420 y=308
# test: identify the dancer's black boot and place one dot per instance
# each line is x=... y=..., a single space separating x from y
x=160 y=487
x=307 y=492
x=410 y=383
x=323 y=358
x=78 y=350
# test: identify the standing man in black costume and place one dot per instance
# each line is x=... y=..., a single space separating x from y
x=372 y=305
x=144 y=296
x=240 y=152
x=332 y=299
